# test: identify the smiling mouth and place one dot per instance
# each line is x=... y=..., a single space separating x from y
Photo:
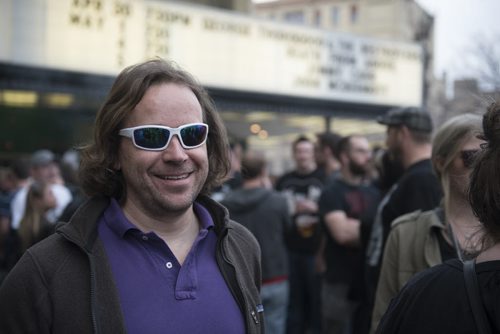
x=175 y=177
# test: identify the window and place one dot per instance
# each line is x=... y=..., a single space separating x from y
x=294 y=17
x=335 y=16
x=354 y=13
x=317 y=18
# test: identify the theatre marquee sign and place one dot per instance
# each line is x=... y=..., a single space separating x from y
x=222 y=49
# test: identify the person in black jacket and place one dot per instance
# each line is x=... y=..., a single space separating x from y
x=435 y=300
x=149 y=252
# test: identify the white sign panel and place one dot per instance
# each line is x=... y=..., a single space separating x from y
x=222 y=49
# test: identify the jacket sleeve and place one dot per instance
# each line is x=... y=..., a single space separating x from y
x=388 y=285
x=243 y=252
x=24 y=299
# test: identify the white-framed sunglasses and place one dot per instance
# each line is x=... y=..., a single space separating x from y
x=157 y=137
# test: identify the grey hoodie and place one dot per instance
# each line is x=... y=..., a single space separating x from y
x=265 y=213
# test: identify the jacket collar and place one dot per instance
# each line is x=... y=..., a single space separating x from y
x=82 y=227
x=220 y=214
x=432 y=253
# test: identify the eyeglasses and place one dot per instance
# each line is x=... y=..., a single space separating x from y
x=157 y=138
x=468 y=157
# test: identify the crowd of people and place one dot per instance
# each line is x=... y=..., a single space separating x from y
x=161 y=224
x=36 y=193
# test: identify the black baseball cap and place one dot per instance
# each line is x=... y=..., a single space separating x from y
x=414 y=118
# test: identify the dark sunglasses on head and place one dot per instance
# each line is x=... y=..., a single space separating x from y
x=157 y=138
x=468 y=157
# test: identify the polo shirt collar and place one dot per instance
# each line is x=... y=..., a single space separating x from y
x=117 y=221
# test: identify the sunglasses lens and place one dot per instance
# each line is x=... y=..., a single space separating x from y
x=468 y=157
x=194 y=135
x=151 y=138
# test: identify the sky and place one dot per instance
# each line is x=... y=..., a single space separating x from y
x=458 y=23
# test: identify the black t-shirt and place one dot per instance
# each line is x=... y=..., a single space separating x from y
x=358 y=202
x=447 y=251
x=435 y=301
x=418 y=189
x=296 y=186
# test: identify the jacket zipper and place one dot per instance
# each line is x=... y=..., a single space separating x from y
x=92 y=282
x=93 y=302
x=255 y=318
x=234 y=285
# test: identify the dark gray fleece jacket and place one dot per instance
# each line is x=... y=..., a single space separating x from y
x=64 y=284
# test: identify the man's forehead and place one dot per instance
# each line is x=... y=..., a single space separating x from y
x=304 y=145
x=358 y=141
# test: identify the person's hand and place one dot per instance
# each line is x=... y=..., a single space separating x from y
x=319 y=263
x=306 y=206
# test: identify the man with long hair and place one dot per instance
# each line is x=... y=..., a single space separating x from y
x=149 y=252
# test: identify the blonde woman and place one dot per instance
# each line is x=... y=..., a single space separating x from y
x=34 y=226
x=420 y=240
x=436 y=300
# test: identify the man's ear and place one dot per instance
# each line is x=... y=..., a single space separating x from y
x=403 y=133
x=328 y=152
x=403 y=129
x=344 y=158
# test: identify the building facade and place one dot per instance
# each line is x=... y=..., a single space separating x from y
x=271 y=81
x=399 y=20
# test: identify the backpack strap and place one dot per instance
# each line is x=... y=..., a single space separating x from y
x=471 y=284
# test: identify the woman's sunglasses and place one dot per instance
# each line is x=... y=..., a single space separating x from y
x=468 y=157
x=157 y=138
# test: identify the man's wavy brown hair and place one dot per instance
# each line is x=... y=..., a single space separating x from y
x=97 y=175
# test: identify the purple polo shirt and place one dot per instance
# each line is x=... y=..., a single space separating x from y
x=157 y=294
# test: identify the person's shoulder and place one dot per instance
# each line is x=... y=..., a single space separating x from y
x=420 y=169
x=283 y=178
x=424 y=301
x=241 y=235
x=407 y=221
x=286 y=175
x=332 y=184
x=436 y=277
x=340 y=184
x=320 y=174
x=20 y=194
x=370 y=189
x=52 y=247
x=276 y=196
x=271 y=199
x=334 y=190
x=47 y=256
x=419 y=177
x=423 y=180
x=316 y=177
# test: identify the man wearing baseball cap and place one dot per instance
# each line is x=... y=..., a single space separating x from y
x=413 y=118
x=409 y=136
